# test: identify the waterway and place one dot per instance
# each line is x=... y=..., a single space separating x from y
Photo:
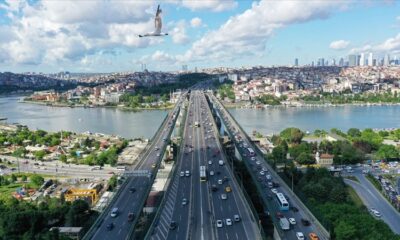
x=131 y=124
x=274 y=120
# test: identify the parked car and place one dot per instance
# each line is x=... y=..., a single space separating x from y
x=219 y=223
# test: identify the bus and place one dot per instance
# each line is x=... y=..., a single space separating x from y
x=251 y=152
x=203 y=174
x=283 y=203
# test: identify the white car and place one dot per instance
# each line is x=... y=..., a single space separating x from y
x=268 y=177
x=219 y=181
x=300 y=236
x=158 y=154
x=258 y=162
x=223 y=196
x=253 y=158
x=219 y=223
x=228 y=222
x=292 y=221
x=375 y=212
x=211 y=173
x=182 y=174
x=262 y=173
x=209 y=162
x=274 y=190
x=187 y=173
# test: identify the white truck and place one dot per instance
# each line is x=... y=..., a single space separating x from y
x=284 y=223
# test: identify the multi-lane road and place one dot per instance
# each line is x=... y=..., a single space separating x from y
x=265 y=174
x=194 y=203
x=135 y=190
x=373 y=199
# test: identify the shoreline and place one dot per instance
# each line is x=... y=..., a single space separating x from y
x=124 y=108
x=309 y=105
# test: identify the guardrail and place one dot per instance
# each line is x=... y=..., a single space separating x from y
x=143 y=156
x=275 y=175
x=152 y=178
x=171 y=176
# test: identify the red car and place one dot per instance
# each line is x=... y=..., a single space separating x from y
x=279 y=215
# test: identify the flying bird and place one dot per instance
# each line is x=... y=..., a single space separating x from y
x=157 y=24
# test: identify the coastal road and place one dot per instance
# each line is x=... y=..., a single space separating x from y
x=373 y=199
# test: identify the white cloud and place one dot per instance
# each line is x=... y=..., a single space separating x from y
x=213 y=5
x=196 y=22
x=339 y=44
x=246 y=33
x=389 y=45
x=179 y=35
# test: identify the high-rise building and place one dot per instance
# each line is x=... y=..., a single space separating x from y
x=370 y=60
x=321 y=62
x=353 y=60
x=362 y=59
x=341 y=62
x=296 y=62
x=386 y=60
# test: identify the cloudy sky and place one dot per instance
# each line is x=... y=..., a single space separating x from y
x=101 y=36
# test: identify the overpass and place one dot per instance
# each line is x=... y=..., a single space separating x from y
x=132 y=194
x=198 y=206
x=259 y=169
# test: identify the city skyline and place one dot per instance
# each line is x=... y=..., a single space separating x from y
x=44 y=36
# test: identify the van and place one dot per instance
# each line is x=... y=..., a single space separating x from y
x=114 y=212
x=284 y=223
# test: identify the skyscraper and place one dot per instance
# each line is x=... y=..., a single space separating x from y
x=386 y=60
x=370 y=60
x=353 y=60
x=362 y=59
x=296 y=62
x=341 y=62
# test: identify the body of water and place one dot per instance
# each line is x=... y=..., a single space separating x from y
x=127 y=124
x=144 y=123
x=274 y=120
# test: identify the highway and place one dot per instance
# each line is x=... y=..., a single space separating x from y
x=197 y=219
x=136 y=188
x=260 y=170
x=373 y=199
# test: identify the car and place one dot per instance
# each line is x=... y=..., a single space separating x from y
x=274 y=190
x=158 y=154
x=228 y=222
x=172 y=225
x=224 y=196
x=184 y=201
x=153 y=165
x=219 y=224
x=110 y=226
x=305 y=222
x=219 y=181
x=131 y=216
x=253 y=158
x=214 y=188
x=187 y=173
x=279 y=215
x=375 y=212
x=300 y=236
x=132 y=190
x=228 y=189
x=114 y=212
x=182 y=174
x=268 y=177
x=313 y=236
x=236 y=217
x=262 y=173
x=292 y=221
x=258 y=162
x=156 y=148
x=211 y=173
x=209 y=162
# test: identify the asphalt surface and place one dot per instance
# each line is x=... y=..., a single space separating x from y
x=128 y=202
x=259 y=164
x=197 y=219
x=373 y=199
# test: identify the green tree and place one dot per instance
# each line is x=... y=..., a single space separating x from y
x=305 y=159
x=354 y=132
x=36 y=179
x=292 y=135
x=63 y=158
x=345 y=231
x=387 y=151
x=77 y=214
x=112 y=183
x=40 y=154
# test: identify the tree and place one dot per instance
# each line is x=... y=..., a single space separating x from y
x=354 y=132
x=305 y=159
x=40 y=154
x=37 y=179
x=63 y=158
x=112 y=183
x=345 y=231
x=24 y=178
x=77 y=214
x=20 y=152
x=387 y=151
x=292 y=135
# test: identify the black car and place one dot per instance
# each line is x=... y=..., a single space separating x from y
x=110 y=226
x=305 y=222
x=132 y=189
x=173 y=225
x=294 y=209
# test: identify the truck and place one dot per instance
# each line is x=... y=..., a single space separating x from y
x=196 y=124
x=284 y=223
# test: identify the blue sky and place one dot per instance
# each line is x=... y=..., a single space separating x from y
x=101 y=36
